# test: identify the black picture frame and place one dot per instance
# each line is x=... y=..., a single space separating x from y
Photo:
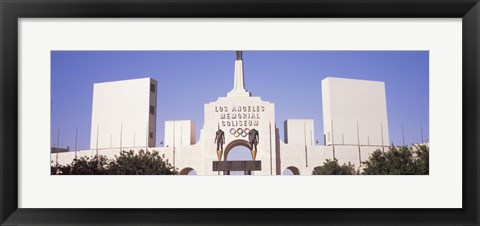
x=12 y=10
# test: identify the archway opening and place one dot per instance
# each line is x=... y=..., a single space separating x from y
x=238 y=150
x=236 y=144
x=188 y=171
x=291 y=170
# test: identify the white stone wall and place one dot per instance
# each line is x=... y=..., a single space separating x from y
x=348 y=101
x=304 y=158
x=179 y=133
x=299 y=132
x=67 y=157
x=121 y=114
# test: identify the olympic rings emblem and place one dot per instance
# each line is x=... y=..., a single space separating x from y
x=239 y=132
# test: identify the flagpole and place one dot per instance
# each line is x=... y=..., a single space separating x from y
x=305 y=143
x=97 y=141
x=381 y=130
x=333 y=143
x=76 y=135
x=358 y=141
x=147 y=134
x=121 y=127
x=173 y=144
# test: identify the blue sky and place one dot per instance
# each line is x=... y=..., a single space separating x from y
x=289 y=79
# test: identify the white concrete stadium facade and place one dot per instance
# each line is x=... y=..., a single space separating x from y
x=238 y=111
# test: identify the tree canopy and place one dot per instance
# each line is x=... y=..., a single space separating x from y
x=127 y=163
x=143 y=163
x=330 y=167
x=398 y=161
x=404 y=160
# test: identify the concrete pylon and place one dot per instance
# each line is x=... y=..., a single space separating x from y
x=238 y=83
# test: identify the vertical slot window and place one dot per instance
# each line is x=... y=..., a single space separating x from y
x=152 y=88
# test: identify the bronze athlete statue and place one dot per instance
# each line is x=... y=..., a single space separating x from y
x=253 y=138
x=219 y=140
